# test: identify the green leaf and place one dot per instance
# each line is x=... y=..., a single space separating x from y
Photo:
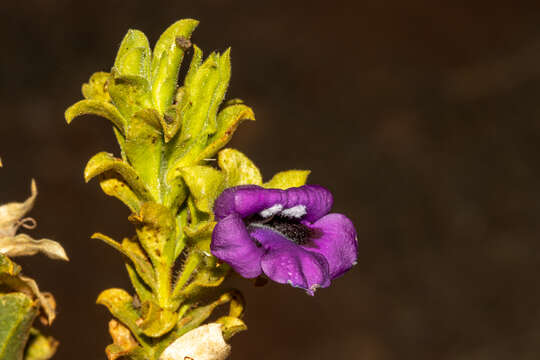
x=103 y=161
x=224 y=66
x=156 y=231
x=206 y=89
x=205 y=184
x=131 y=251
x=121 y=142
x=200 y=235
x=168 y=55
x=143 y=148
x=228 y=121
x=198 y=315
x=172 y=119
x=40 y=347
x=156 y=321
x=113 y=185
x=96 y=107
x=210 y=274
x=96 y=87
x=130 y=94
x=202 y=229
x=120 y=304
x=238 y=168
x=17 y=312
x=288 y=179
x=194 y=66
x=134 y=57
x=175 y=193
x=202 y=92
x=142 y=290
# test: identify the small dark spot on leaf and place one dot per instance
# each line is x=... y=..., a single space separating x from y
x=183 y=42
x=168 y=119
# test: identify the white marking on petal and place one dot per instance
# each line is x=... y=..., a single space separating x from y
x=295 y=212
x=271 y=211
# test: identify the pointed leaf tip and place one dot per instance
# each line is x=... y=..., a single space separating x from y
x=134 y=55
x=96 y=107
x=288 y=179
x=24 y=245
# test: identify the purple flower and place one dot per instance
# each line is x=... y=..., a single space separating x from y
x=288 y=235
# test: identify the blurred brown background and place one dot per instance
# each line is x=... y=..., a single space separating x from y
x=420 y=116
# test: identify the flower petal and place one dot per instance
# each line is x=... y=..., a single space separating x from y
x=232 y=244
x=337 y=242
x=317 y=200
x=286 y=262
x=247 y=200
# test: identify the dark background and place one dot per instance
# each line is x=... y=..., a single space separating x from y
x=420 y=116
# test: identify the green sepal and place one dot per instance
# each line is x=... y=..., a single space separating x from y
x=40 y=347
x=112 y=185
x=103 y=161
x=143 y=148
x=167 y=57
x=99 y=108
x=205 y=184
x=132 y=251
x=238 y=168
x=288 y=179
x=228 y=121
x=17 y=312
x=231 y=326
x=156 y=320
x=134 y=57
x=96 y=87
x=130 y=94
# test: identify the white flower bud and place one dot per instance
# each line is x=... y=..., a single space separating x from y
x=203 y=343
